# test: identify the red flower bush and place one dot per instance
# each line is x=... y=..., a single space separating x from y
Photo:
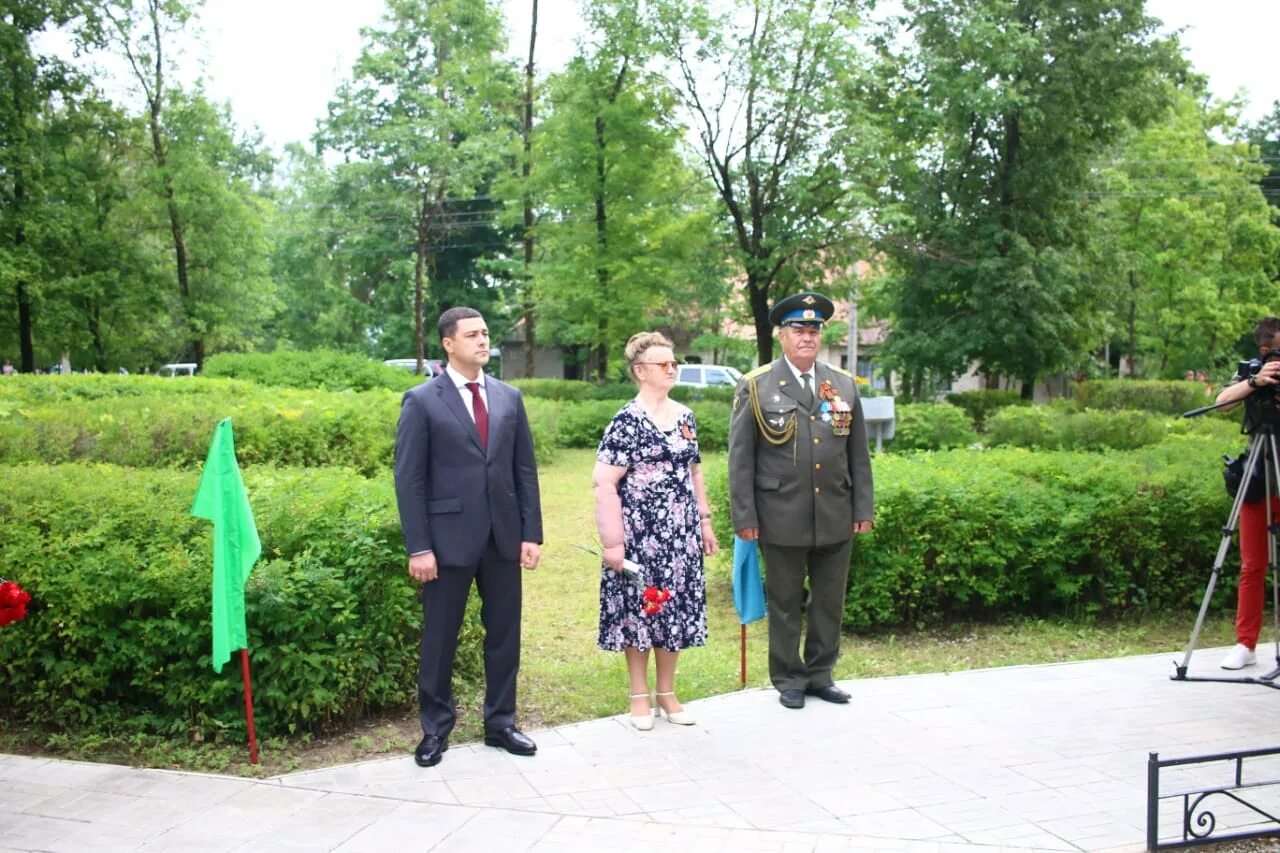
x=13 y=602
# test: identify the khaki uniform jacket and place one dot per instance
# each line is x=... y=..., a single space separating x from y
x=809 y=490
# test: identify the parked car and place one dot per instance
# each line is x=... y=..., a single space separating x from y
x=433 y=366
x=705 y=375
x=181 y=368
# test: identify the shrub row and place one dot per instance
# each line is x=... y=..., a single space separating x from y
x=149 y=426
x=1165 y=397
x=1060 y=428
x=976 y=534
x=117 y=635
x=979 y=405
x=333 y=371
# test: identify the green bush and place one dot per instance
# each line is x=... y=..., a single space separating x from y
x=582 y=424
x=930 y=426
x=117 y=636
x=1059 y=428
x=979 y=405
x=977 y=534
x=149 y=425
x=574 y=390
x=1165 y=397
x=332 y=371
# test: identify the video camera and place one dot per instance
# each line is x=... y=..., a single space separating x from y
x=1245 y=369
x=1262 y=406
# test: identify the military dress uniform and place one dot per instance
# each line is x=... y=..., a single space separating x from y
x=800 y=472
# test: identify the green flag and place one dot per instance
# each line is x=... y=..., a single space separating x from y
x=221 y=499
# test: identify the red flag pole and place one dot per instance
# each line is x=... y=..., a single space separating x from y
x=248 y=706
x=744 y=655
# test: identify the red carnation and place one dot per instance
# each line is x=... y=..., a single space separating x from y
x=13 y=602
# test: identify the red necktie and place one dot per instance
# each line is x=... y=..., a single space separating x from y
x=481 y=414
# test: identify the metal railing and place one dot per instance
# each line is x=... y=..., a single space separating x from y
x=1253 y=813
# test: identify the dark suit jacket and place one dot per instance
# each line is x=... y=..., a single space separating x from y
x=811 y=489
x=451 y=494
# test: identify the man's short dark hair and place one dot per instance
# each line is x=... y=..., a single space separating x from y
x=1265 y=332
x=448 y=323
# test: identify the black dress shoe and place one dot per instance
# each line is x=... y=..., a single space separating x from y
x=830 y=693
x=429 y=751
x=512 y=740
x=792 y=699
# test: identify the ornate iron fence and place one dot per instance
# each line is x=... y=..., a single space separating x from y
x=1251 y=804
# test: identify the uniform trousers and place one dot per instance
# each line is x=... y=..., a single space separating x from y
x=444 y=603
x=827 y=568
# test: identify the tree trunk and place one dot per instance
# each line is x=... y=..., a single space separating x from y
x=1132 y=323
x=602 y=244
x=526 y=169
x=758 y=299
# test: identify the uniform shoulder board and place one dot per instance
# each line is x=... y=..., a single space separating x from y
x=764 y=368
x=841 y=370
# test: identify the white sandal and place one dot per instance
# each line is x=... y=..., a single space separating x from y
x=644 y=722
x=681 y=717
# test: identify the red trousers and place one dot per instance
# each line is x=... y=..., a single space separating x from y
x=1253 y=569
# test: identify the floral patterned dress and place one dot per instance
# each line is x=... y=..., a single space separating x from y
x=662 y=533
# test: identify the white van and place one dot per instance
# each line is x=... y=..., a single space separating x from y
x=707 y=375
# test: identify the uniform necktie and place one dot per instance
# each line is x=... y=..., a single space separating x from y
x=480 y=413
x=808 y=390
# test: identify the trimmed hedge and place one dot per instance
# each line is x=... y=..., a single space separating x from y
x=1056 y=428
x=980 y=534
x=164 y=422
x=1166 y=397
x=117 y=635
x=332 y=371
x=979 y=405
x=931 y=426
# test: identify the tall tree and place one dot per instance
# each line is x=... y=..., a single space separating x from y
x=1006 y=103
x=144 y=31
x=625 y=227
x=30 y=86
x=1184 y=236
x=1265 y=133
x=423 y=124
x=776 y=93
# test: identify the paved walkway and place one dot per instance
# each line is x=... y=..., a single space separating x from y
x=1030 y=757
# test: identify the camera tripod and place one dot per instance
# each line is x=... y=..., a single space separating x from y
x=1262 y=445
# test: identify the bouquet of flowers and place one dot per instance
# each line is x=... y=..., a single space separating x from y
x=654 y=597
x=13 y=602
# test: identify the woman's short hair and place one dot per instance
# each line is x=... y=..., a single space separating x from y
x=638 y=343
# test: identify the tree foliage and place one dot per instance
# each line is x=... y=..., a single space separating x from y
x=1006 y=104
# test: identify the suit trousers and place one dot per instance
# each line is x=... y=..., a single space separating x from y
x=827 y=568
x=1253 y=569
x=444 y=603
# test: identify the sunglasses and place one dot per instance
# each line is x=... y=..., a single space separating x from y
x=665 y=365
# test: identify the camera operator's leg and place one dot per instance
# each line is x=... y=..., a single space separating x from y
x=1254 y=556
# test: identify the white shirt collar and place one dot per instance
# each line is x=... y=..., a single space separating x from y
x=795 y=371
x=459 y=381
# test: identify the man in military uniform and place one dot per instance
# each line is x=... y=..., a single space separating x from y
x=800 y=483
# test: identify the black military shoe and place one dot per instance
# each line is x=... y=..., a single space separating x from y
x=830 y=693
x=792 y=699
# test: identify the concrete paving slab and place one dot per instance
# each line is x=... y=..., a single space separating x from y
x=1046 y=758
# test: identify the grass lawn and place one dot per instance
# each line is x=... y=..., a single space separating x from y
x=565 y=678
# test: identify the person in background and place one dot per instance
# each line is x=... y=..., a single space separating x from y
x=651 y=509
x=1253 y=516
x=467 y=491
x=800 y=484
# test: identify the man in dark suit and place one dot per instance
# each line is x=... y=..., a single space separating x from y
x=467 y=489
x=800 y=483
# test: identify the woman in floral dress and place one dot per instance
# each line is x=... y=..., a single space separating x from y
x=651 y=510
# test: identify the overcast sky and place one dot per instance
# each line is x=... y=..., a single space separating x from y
x=278 y=62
